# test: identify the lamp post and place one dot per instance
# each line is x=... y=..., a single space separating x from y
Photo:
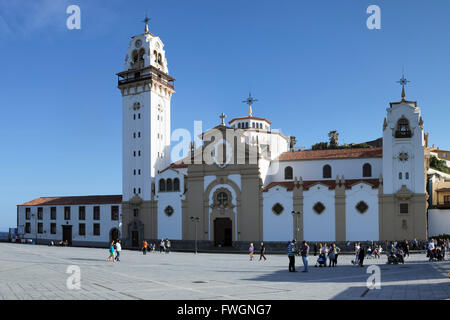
x=296 y=214
x=34 y=215
x=195 y=220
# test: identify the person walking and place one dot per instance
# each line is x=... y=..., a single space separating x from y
x=361 y=256
x=111 y=252
x=250 y=251
x=161 y=246
x=291 y=249
x=406 y=249
x=262 y=252
x=304 y=252
x=144 y=247
x=168 y=245
x=118 y=249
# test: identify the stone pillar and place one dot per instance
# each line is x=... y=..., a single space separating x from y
x=297 y=195
x=339 y=203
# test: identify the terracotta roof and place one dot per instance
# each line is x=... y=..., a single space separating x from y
x=331 y=154
x=176 y=165
x=289 y=185
x=250 y=117
x=77 y=200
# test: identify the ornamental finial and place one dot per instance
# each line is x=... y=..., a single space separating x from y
x=403 y=81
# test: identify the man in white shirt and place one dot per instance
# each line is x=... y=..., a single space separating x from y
x=118 y=249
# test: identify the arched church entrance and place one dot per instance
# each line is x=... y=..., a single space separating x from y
x=135 y=233
x=114 y=234
x=223 y=232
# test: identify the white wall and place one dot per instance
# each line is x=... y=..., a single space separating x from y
x=277 y=227
x=313 y=169
x=361 y=226
x=170 y=227
x=438 y=222
x=319 y=227
x=106 y=224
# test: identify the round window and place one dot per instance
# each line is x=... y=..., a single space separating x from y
x=168 y=211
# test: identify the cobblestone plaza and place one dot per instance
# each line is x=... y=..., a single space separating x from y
x=40 y=272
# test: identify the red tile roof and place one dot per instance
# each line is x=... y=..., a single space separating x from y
x=331 y=154
x=289 y=185
x=176 y=165
x=77 y=200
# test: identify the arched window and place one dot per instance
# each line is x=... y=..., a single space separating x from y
x=403 y=130
x=288 y=173
x=169 y=185
x=162 y=185
x=159 y=58
x=367 y=170
x=176 y=184
x=239 y=125
x=327 y=171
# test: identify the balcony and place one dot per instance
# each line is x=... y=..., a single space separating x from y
x=149 y=73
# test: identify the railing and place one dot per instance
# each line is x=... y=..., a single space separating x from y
x=145 y=77
x=145 y=73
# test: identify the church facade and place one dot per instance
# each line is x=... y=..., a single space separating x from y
x=268 y=191
x=243 y=181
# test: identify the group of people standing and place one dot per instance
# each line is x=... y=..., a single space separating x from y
x=303 y=252
x=326 y=253
x=437 y=248
x=114 y=251
x=164 y=246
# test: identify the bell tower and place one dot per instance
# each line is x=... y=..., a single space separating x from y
x=403 y=204
x=146 y=89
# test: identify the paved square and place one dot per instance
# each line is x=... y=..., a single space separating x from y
x=39 y=272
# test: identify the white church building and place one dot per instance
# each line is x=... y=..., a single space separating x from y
x=241 y=181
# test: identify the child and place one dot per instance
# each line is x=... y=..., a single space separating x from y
x=251 y=249
x=111 y=253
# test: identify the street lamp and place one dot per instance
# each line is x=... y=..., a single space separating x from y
x=35 y=224
x=298 y=217
x=195 y=220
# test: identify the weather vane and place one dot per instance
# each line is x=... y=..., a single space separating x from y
x=146 y=20
x=250 y=100
x=403 y=82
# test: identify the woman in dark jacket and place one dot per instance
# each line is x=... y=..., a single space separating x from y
x=361 y=256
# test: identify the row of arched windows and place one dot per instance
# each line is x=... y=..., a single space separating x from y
x=169 y=185
x=327 y=172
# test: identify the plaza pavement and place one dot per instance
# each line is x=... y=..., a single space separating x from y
x=39 y=272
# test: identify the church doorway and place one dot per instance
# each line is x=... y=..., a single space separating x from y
x=135 y=239
x=114 y=234
x=223 y=232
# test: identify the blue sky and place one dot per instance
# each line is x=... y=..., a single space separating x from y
x=313 y=65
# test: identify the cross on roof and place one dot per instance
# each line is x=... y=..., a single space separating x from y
x=146 y=20
x=250 y=100
x=223 y=116
x=403 y=82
